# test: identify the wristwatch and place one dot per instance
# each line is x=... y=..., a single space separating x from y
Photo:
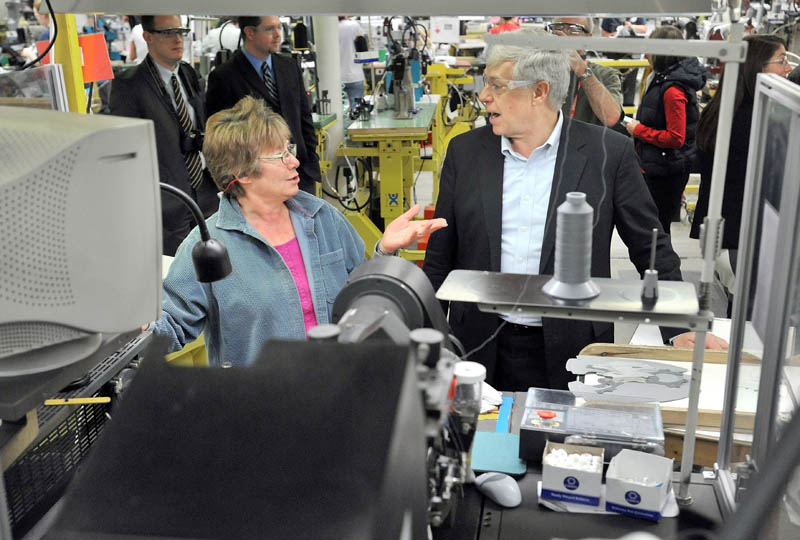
x=586 y=74
x=380 y=251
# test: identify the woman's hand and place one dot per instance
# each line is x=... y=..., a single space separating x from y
x=630 y=126
x=404 y=231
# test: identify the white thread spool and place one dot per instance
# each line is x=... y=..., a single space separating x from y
x=572 y=279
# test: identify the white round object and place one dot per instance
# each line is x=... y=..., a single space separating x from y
x=469 y=372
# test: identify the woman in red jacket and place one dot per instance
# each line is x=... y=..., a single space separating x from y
x=665 y=126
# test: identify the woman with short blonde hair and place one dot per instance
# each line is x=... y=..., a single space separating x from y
x=291 y=252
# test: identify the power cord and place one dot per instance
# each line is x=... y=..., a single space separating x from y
x=52 y=40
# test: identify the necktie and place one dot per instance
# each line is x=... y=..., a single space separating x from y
x=193 y=163
x=272 y=89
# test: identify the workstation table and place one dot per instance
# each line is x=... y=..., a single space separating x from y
x=395 y=142
x=478 y=518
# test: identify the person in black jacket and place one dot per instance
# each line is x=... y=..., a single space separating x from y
x=500 y=187
x=765 y=53
x=665 y=124
x=149 y=91
x=258 y=70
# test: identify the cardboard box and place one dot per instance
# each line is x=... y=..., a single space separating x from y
x=635 y=498
x=572 y=485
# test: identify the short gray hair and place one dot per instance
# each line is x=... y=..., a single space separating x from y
x=535 y=64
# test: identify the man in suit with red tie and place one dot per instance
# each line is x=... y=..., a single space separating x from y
x=168 y=92
x=257 y=70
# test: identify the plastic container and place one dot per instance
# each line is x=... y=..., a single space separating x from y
x=558 y=416
x=467 y=402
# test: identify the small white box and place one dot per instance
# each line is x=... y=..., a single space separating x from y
x=627 y=496
x=366 y=57
x=572 y=485
x=444 y=29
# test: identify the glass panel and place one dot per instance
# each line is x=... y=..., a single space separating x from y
x=777 y=210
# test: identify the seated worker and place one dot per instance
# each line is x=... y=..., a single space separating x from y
x=291 y=252
x=594 y=94
x=500 y=186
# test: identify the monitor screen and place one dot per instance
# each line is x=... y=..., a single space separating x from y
x=80 y=215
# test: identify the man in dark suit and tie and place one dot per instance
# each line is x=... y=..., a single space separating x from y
x=257 y=70
x=168 y=92
x=500 y=186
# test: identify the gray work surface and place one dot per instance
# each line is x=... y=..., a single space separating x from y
x=478 y=518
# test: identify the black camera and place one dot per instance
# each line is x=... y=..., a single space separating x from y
x=192 y=141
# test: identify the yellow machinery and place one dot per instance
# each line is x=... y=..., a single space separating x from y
x=396 y=144
x=321 y=124
x=626 y=64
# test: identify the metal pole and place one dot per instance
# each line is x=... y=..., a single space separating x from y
x=687 y=459
x=326 y=35
x=709 y=248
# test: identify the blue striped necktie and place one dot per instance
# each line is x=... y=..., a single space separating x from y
x=272 y=89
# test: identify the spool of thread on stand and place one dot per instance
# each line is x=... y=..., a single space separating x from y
x=573 y=264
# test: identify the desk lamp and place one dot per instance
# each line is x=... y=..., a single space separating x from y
x=209 y=256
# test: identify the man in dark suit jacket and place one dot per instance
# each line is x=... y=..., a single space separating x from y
x=500 y=186
x=257 y=70
x=147 y=91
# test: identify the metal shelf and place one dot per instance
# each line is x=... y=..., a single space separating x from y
x=618 y=301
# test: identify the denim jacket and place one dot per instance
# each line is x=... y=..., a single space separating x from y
x=258 y=301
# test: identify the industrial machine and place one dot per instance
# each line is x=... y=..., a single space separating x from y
x=355 y=440
x=393 y=369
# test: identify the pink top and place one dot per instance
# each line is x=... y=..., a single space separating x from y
x=290 y=251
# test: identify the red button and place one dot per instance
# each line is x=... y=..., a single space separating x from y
x=546 y=415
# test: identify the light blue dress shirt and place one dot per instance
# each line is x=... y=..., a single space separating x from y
x=256 y=63
x=527 y=182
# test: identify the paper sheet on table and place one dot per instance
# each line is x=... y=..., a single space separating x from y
x=490 y=398
x=670 y=508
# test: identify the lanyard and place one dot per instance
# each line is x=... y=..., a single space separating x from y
x=575 y=99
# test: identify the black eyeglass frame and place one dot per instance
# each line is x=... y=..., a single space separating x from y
x=171 y=32
x=561 y=26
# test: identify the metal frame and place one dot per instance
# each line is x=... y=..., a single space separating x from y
x=782 y=289
x=544 y=8
x=734 y=52
x=774 y=350
x=731 y=51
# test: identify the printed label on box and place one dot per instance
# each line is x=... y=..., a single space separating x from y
x=570 y=497
x=635 y=512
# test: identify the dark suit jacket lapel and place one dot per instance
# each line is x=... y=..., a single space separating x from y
x=144 y=74
x=490 y=184
x=281 y=67
x=194 y=95
x=570 y=162
x=245 y=68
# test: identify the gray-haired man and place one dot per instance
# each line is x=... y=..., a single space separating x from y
x=500 y=186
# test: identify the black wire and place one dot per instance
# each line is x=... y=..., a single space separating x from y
x=458 y=345
x=343 y=201
x=52 y=40
x=414 y=185
x=222 y=29
x=89 y=101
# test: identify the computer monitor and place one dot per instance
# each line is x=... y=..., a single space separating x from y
x=80 y=234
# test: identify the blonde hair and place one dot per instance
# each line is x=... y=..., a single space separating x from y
x=236 y=137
